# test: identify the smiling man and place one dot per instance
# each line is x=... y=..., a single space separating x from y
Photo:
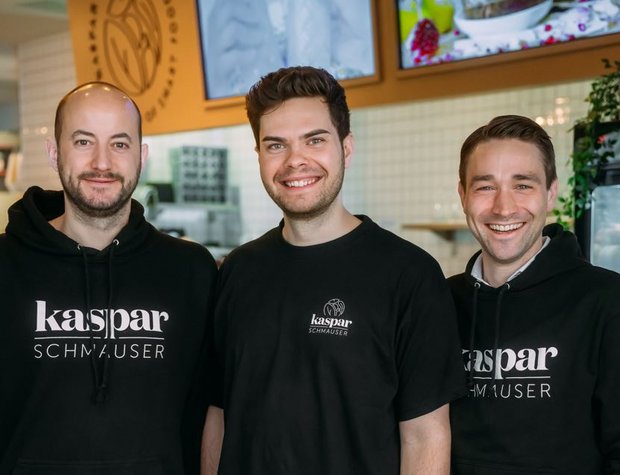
x=539 y=326
x=336 y=339
x=103 y=324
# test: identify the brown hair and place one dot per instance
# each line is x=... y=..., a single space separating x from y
x=511 y=127
x=298 y=81
x=61 y=105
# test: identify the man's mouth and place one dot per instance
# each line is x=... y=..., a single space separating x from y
x=504 y=228
x=102 y=179
x=300 y=183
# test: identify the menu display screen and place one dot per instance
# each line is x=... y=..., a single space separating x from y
x=442 y=31
x=242 y=41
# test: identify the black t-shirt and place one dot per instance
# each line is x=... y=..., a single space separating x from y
x=325 y=348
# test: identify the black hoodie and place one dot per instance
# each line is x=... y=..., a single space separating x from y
x=552 y=405
x=84 y=390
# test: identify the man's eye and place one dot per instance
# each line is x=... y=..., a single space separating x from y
x=316 y=140
x=82 y=142
x=523 y=187
x=120 y=145
x=275 y=146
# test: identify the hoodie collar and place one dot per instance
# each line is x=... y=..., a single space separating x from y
x=29 y=222
x=561 y=254
x=476 y=271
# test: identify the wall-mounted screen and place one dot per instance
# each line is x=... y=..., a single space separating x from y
x=442 y=31
x=244 y=40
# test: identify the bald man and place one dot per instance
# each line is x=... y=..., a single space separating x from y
x=102 y=327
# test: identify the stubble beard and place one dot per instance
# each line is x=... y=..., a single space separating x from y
x=322 y=204
x=93 y=207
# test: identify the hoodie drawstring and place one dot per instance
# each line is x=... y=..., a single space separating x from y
x=472 y=336
x=498 y=308
x=102 y=387
x=101 y=370
x=472 y=332
x=93 y=355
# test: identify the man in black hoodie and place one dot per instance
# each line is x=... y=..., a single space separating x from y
x=539 y=326
x=103 y=319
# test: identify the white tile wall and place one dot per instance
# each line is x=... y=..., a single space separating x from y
x=45 y=73
x=404 y=168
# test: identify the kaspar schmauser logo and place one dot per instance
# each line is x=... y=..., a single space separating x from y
x=117 y=333
x=332 y=321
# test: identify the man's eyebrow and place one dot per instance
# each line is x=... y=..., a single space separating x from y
x=272 y=138
x=82 y=132
x=307 y=135
x=527 y=177
x=314 y=132
x=477 y=178
x=121 y=135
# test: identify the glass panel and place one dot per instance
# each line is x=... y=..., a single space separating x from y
x=605 y=231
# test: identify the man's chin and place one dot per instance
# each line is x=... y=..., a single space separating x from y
x=100 y=208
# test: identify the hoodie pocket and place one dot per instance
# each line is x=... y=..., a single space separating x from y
x=124 y=467
x=472 y=467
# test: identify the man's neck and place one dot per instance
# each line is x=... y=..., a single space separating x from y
x=496 y=274
x=324 y=228
x=87 y=231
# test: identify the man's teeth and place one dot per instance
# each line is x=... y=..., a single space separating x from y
x=505 y=227
x=300 y=183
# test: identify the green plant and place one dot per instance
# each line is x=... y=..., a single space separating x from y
x=590 y=151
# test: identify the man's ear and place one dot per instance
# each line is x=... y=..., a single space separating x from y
x=348 y=145
x=552 y=194
x=144 y=154
x=52 y=152
x=461 y=191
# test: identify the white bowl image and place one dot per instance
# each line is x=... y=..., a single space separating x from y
x=518 y=21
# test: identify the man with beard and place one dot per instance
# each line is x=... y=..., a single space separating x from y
x=335 y=339
x=104 y=318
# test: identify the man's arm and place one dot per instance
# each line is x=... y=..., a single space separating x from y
x=425 y=443
x=212 y=436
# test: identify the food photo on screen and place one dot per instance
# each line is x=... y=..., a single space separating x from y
x=441 y=31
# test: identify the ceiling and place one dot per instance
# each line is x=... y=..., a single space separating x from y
x=20 y=21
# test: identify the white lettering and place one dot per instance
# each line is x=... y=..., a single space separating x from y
x=508 y=390
x=71 y=350
x=120 y=320
x=329 y=322
x=507 y=360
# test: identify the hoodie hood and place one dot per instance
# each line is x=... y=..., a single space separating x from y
x=29 y=222
x=562 y=254
x=541 y=355
x=546 y=264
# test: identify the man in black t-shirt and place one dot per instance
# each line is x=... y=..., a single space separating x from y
x=335 y=340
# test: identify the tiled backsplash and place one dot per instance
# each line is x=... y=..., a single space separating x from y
x=404 y=168
x=405 y=165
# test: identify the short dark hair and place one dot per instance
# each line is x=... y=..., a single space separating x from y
x=61 y=106
x=297 y=81
x=511 y=127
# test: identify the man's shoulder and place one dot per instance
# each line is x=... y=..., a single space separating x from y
x=261 y=246
x=599 y=279
x=182 y=250
x=399 y=249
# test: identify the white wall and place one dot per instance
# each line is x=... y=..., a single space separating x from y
x=404 y=169
x=45 y=73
